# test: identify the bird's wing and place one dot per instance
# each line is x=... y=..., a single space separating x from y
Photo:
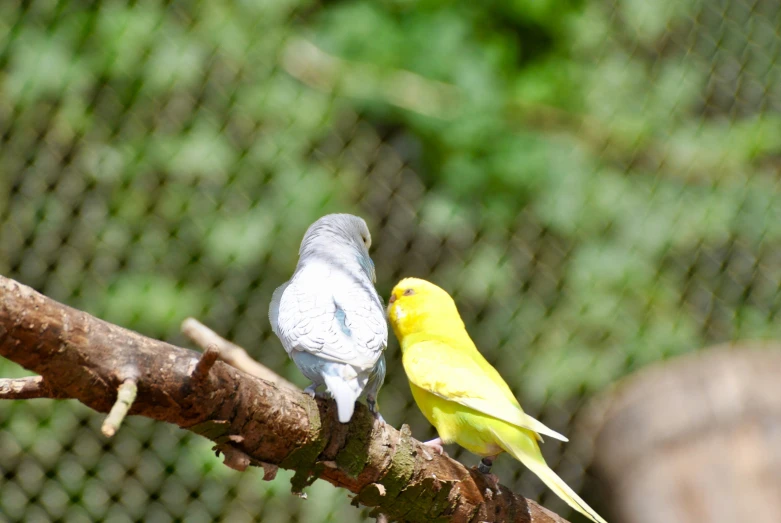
x=273 y=308
x=339 y=318
x=376 y=378
x=452 y=375
x=360 y=316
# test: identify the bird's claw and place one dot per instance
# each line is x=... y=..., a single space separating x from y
x=436 y=446
x=493 y=479
x=311 y=391
x=373 y=409
x=484 y=467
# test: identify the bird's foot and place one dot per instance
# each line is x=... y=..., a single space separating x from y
x=436 y=445
x=485 y=465
x=372 y=403
x=485 y=468
x=312 y=391
x=493 y=479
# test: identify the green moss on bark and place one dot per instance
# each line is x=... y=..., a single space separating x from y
x=402 y=464
x=355 y=453
x=303 y=458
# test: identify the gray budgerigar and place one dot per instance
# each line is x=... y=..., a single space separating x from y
x=329 y=317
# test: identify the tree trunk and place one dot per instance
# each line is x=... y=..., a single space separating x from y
x=696 y=439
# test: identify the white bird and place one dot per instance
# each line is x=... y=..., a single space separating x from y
x=329 y=316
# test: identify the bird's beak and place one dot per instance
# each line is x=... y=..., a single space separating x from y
x=392 y=299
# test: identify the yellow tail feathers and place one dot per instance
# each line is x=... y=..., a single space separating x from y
x=524 y=448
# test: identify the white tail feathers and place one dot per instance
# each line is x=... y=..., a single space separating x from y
x=345 y=392
x=536 y=463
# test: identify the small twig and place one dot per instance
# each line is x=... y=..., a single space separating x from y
x=206 y=362
x=126 y=395
x=311 y=65
x=229 y=352
x=30 y=387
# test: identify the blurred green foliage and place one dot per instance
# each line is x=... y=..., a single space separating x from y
x=596 y=182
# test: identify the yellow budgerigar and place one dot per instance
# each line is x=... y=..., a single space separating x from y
x=460 y=393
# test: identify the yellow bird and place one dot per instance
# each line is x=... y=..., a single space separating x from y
x=460 y=393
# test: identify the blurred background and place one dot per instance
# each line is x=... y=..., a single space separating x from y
x=596 y=182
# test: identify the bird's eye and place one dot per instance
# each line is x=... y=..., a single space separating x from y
x=409 y=292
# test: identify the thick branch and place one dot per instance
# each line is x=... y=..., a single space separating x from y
x=85 y=358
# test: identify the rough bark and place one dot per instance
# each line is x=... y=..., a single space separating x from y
x=251 y=420
x=695 y=438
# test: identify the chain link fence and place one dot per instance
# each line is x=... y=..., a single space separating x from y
x=597 y=184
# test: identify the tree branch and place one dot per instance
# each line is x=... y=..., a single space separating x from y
x=251 y=420
x=229 y=352
x=28 y=388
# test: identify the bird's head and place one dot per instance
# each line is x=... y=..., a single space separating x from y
x=339 y=232
x=417 y=306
